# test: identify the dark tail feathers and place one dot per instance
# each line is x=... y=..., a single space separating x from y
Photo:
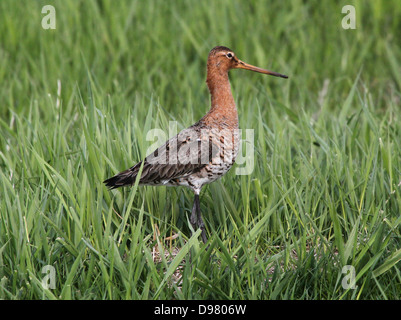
x=125 y=178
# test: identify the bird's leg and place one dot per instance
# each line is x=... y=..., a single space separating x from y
x=201 y=225
x=199 y=220
x=194 y=214
x=196 y=218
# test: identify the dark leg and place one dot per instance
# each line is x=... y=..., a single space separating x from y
x=194 y=214
x=196 y=218
x=201 y=225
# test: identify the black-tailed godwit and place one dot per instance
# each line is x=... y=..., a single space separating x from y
x=206 y=150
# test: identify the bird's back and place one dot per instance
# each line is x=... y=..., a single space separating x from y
x=197 y=155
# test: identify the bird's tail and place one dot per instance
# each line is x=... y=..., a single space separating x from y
x=125 y=178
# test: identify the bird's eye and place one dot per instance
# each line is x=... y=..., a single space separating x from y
x=229 y=55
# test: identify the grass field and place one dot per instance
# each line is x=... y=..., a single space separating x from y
x=76 y=104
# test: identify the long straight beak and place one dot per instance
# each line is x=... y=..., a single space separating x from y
x=246 y=66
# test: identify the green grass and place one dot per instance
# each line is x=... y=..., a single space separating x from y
x=77 y=102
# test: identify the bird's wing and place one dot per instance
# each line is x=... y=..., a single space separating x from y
x=186 y=153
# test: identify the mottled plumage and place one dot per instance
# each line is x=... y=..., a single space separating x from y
x=203 y=152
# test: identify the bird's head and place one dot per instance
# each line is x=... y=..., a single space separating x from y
x=222 y=59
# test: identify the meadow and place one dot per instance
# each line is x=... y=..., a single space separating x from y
x=317 y=218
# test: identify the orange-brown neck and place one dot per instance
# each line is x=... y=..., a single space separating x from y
x=223 y=109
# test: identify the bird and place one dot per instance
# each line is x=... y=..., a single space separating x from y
x=203 y=152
